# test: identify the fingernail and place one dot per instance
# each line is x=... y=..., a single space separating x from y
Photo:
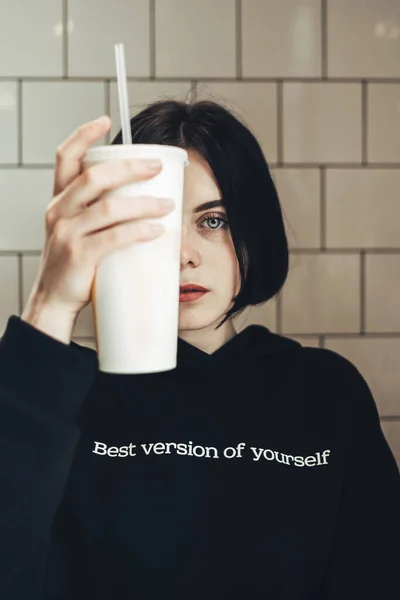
x=101 y=120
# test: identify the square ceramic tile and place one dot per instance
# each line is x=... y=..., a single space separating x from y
x=141 y=93
x=299 y=195
x=255 y=103
x=377 y=359
x=384 y=122
x=391 y=431
x=51 y=113
x=322 y=294
x=84 y=326
x=195 y=39
x=265 y=315
x=31 y=38
x=281 y=39
x=382 y=291
x=96 y=26
x=307 y=340
x=8 y=122
x=362 y=208
x=363 y=38
x=9 y=297
x=25 y=194
x=321 y=122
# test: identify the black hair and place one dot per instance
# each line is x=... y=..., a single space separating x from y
x=244 y=180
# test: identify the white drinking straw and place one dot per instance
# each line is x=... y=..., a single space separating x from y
x=123 y=93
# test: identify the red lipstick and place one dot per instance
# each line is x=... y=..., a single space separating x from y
x=191 y=291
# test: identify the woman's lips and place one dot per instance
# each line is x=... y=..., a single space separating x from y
x=191 y=296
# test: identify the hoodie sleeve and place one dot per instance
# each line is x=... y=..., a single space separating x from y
x=43 y=383
x=365 y=554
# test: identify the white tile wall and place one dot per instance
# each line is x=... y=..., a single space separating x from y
x=24 y=195
x=391 y=430
x=299 y=193
x=31 y=38
x=307 y=340
x=382 y=292
x=281 y=39
x=384 y=122
x=318 y=81
x=9 y=288
x=321 y=122
x=52 y=110
x=195 y=39
x=93 y=29
x=363 y=38
x=362 y=208
x=265 y=314
x=313 y=298
x=9 y=122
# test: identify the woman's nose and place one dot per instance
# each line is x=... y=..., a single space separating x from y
x=188 y=250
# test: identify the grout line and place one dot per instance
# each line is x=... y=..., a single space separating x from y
x=279 y=312
x=20 y=283
x=279 y=124
x=305 y=336
x=323 y=208
x=311 y=79
x=19 y=124
x=390 y=418
x=152 y=39
x=362 y=292
x=364 y=123
x=324 y=40
x=65 y=39
x=238 y=36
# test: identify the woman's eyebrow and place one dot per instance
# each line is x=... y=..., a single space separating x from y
x=208 y=205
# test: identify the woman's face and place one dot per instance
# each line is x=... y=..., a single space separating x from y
x=207 y=258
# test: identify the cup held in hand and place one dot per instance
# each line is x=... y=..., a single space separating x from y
x=136 y=289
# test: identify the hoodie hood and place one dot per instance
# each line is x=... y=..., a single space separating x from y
x=247 y=346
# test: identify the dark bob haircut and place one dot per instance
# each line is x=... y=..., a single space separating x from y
x=244 y=180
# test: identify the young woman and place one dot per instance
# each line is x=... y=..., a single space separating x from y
x=255 y=469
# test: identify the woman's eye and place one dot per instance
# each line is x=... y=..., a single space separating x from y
x=214 y=227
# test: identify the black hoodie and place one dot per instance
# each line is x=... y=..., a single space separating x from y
x=258 y=471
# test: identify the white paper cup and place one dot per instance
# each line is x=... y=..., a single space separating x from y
x=135 y=295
